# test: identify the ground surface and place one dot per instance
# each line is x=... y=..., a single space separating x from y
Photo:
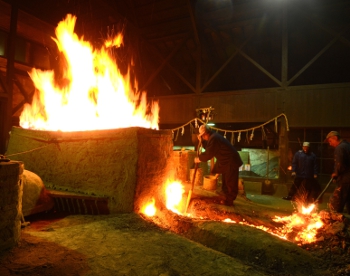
x=128 y=244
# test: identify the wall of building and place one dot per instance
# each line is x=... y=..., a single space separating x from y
x=304 y=106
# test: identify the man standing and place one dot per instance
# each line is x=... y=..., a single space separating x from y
x=227 y=163
x=341 y=172
x=305 y=170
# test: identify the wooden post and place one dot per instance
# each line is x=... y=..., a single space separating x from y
x=7 y=104
x=284 y=73
x=283 y=149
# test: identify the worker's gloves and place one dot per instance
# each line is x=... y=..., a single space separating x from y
x=293 y=174
x=315 y=176
x=196 y=160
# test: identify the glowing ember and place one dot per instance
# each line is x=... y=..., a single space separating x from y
x=228 y=220
x=303 y=225
x=307 y=210
x=150 y=209
x=174 y=191
x=91 y=94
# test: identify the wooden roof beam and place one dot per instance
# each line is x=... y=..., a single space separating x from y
x=156 y=72
x=307 y=65
x=284 y=69
x=198 y=50
x=20 y=105
x=4 y=85
x=324 y=28
x=164 y=61
x=226 y=62
x=21 y=89
x=262 y=69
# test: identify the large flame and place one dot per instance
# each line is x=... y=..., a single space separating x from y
x=174 y=191
x=91 y=94
x=173 y=199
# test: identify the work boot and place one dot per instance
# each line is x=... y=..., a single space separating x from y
x=287 y=197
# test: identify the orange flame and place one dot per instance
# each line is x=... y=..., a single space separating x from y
x=92 y=93
x=174 y=191
x=150 y=209
x=305 y=224
x=115 y=41
x=307 y=210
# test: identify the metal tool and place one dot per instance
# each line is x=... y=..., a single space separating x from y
x=193 y=179
x=324 y=190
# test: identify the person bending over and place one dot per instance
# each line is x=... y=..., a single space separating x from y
x=227 y=162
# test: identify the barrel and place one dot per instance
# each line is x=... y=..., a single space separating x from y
x=210 y=182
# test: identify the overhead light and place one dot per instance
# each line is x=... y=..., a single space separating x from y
x=211 y=124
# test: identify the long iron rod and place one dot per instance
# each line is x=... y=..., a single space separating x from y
x=324 y=190
x=193 y=178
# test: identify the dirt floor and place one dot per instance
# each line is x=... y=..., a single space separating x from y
x=168 y=244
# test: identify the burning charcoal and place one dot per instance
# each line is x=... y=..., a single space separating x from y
x=319 y=239
x=337 y=216
x=335 y=242
x=336 y=250
x=343 y=244
x=325 y=215
x=336 y=228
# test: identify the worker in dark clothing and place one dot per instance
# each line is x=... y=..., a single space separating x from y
x=227 y=162
x=341 y=172
x=304 y=168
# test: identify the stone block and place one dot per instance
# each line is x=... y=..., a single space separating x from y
x=11 y=190
x=119 y=163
